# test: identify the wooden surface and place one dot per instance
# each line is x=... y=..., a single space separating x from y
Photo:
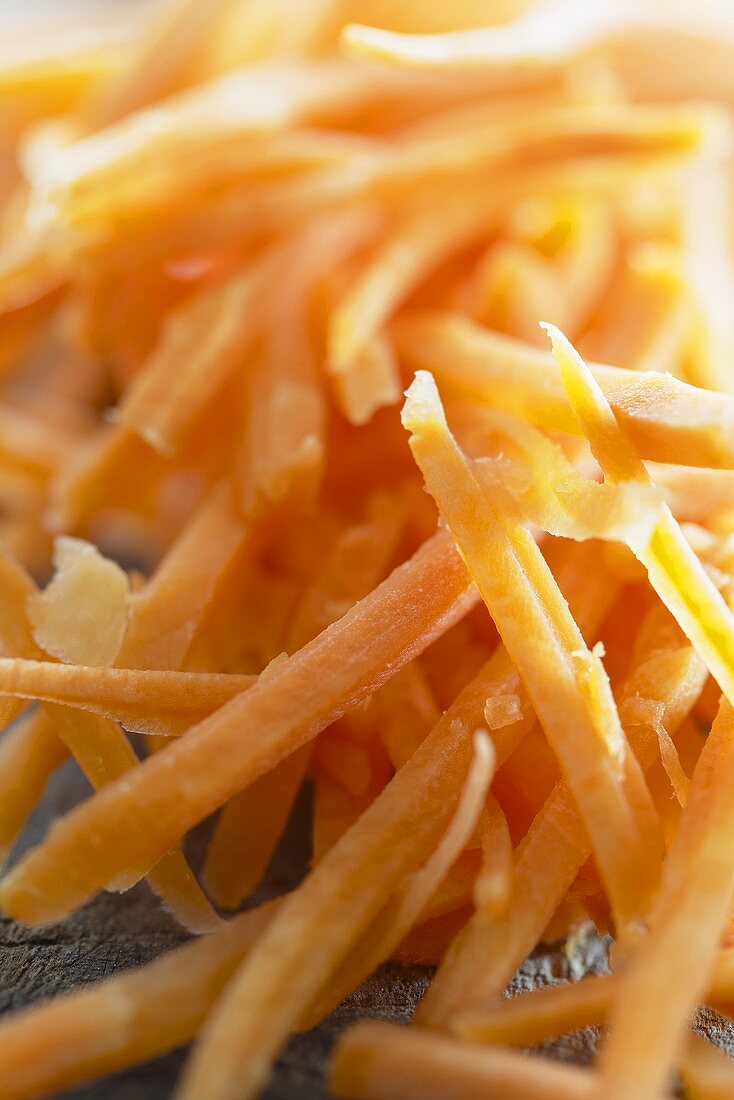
x=120 y=931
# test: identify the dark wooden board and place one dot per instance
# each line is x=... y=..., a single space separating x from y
x=116 y=932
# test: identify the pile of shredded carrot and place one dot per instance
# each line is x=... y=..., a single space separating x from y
x=367 y=430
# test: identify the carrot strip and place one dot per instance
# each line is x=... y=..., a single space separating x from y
x=164 y=616
x=200 y=347
x=431 y=592
x=581 y=240
x=666 y=420
x=533 y=1017
x=542 y=39
x=372 y=382
x=420 y=242
x=252 y=822
x=157 y=703
x=411 y=900
x=493 y=886
x=335 y=811
x=558 y=131
x=33 y=445
x=455 y=890
x=406 y=712
x=707 y=1071
x=336 y=904
x=549 y=489
x=566 y=681
x=695 y=893
x=381 y=1062
x=694 y=496
x=52 y=71
x=29 y=755
x=513 y=287
x=674 y=571
x=647 y=315
x=125 y=1019
x=198 y=127
x=158 y=60
x=248 y=830
x=103 y=752
x=487 y=952
x=427 y=943
x=283 y=447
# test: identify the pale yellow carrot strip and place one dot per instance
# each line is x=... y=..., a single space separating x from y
x=116 y=837
x=674 y=571
x=99 y=625
x=29 y=755
x=125 y=1019
x=686 y=921
x=377 y=1061
x=549 y=489
x=666 y=420
x=566 y=681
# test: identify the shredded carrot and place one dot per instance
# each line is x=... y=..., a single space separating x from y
x=484 y=956
x=379 y=1062
x=31 y=751
x=411 y=900
x=666 y=419
x=433 y=590
x=231 y=236
x=537 y=1016
x=573 y=699
x=690 y=910
x=674 y=571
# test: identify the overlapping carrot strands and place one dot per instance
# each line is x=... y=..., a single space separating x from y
x=566 y=681
x=230 y=235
